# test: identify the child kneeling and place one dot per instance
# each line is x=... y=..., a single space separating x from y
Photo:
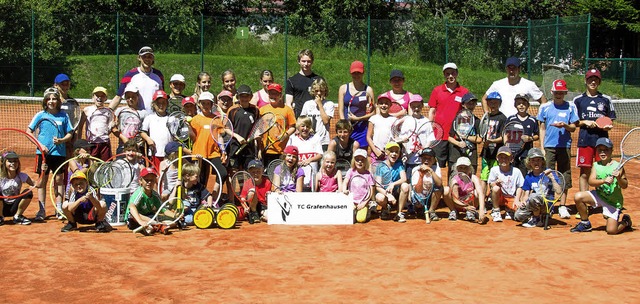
x=83 y=206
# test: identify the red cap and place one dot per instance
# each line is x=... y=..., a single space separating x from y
x=146 y=171
x=384 y=96
x=187 y=100
x=357 y=66
x=291 y=150
x=275 y=87
x=225 y=93
x=559 y=85
x=593 y=72
x=159 y=94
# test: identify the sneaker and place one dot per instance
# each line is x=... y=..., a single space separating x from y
x=626 y=220
x=385 y=214
x=496 y=216
x=21 y=220
x=433 y=217
x=578 y=216
x=254 y=218
x=40 y=216
x=103 y=226
x=400 y=218
x=69 y=226
x=564 y=212
x=582 y=227
x=531 y=223
x=471 y=216
x=508 y=215
x=453 y=215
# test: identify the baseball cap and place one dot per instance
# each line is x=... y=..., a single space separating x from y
x=514 y=61
x=593 y=72
x=391 y=144
x=415 y=98
x=462 y=161
x=604 y=141
x=396 y=73
x=99 y=89
x=61 y=77
x=504 y=150
x=224 y=93
x=360 y=152
x=81 y=143
x=384 y=96
x=145 y=50
x=521 y=96
x=494 y=95
x=275 y=87
x=171 y=147
x=428 y=151
x=146 y=171
x=468 y=97
x=255 y=163
x=244 y=90
x=450 y=65
x=78 y=174
x=535 y=152
x=178 y=78
x=159 y=94
x=187 y=100
x=206 y=96
x=51 y=91
x=291 y=150
x=10 y=155
x=356 y=66
x=559 y=85
x=130 y=88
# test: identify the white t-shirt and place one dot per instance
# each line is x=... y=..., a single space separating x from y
x=410 y=130
x=511 y=180
x=381 y=129
x=12 y=186
x=307 y=149
x=156 y=127
x=147 y=84
x=311 y=109
x=508 y=93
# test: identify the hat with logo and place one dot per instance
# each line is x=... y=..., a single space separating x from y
x=521 y=96
x=78 y=174
x=275 y=87
x=255 y=163
x=494 y=95
x=604 y=141
x=559 y=85
x=146 y=171
x=159 y=94
x=469 y=97
x=178 y=78
x=244 y=90
x=356 y=66
x=187 y=100
x=504 y=150
x=81 y=143
x=291 y=150
x=592 y=72
x=10 y=155
x=428 y=151
x=145 y=50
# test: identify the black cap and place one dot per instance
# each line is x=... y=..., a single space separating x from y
x=469 y=97
x=244 y=89
x=396 y=73
x=10 y=155
x=428 y=151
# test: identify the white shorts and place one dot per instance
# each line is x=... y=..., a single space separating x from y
x=608 y=211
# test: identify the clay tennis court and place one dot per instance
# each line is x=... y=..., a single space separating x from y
x=380 y=261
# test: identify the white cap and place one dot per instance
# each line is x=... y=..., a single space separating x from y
x=177 y=77
x=462 y=161
x=206 y=96
x=360 y=152
x=450 y=65
x=131 y=88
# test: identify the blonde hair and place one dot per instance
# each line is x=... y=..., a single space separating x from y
x=366 y=163
x=304 y=120
x=319 y=84
x=197 y=90
x=190 y=169
x=324 y=157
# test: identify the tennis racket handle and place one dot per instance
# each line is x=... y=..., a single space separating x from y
x=244 y=145
x=139 y=228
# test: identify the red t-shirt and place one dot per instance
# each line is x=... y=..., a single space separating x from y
x=261 y=190
x=447 y=105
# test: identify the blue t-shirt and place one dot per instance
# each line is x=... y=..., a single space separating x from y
x=591 y=108
x=396 y=169
x=531 y=128
x=46 y=132
x=550 y=113
x=531 y=182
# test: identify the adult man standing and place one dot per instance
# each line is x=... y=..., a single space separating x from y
x=298 y=85
x=144 y=77
x=512 y=85
x=444 y=103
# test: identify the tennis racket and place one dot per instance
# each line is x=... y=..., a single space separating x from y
x=512 y=136
x=260 y=127
x=309 y=178
x=382 y=173
x=343 y=166
x=551 y=187
x=629 y=147
x=483 y=127
x=221 y=130
x=276 y=133
x=395 y=106
x=100 y=123
x=271 y=168
x=129 y=123
x=463 y=193
x=360 y=193
x=604 y=122
x=178 y=126
x=463 y=125
x=48 y=131
x=403 y=128
x=428 y=135
x=165 y=217
x=174 y=105
x=353 y=104
x=244 y=188
x=22 y=144
x=116 y=173
x=422 y=186
x=73 y=110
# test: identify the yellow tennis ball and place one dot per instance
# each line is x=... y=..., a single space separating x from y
x=188 y=119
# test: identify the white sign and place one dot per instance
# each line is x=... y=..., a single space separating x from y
x=309 y=208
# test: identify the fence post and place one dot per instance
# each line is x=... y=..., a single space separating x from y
x=529 y=47
x=555 y=60
x=624 y=77
x=117 y=49
x=368 y=49
x=201 y=43
x=446 y=40
x=286 y=45
x=33 y=38
x=586 y=59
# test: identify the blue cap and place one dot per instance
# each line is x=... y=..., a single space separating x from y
x=61 y=77
x=513 y=61
x=255 y=163
x=396 y=74
x=604 y=141
x=171 y=147
x=469 y=97
x=494 y=95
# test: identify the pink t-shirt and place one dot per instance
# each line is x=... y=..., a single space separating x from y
x=328 y=183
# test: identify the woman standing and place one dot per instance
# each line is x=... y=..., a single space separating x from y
x=355 y=103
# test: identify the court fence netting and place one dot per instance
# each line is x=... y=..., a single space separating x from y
x=17 y=112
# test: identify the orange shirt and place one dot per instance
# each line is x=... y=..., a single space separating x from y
x=204 y=143
x=290 y=121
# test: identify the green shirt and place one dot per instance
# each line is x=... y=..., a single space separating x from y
x=610 y=193
x=146 y=205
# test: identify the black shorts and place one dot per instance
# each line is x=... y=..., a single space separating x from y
x=85 y=215
x=442 y=153
x=10 y=208
x=53 y=162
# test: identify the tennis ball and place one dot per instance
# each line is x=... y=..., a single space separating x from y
x=188 y=119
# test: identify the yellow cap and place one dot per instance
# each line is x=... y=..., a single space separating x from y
x=391 y=144
x=78 y=174
x=99 y=89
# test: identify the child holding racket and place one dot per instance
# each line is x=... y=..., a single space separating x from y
x=132 y=156
x=398 y=94
x=100 y=123
x=558 y=119
x=506 y=186
x=288 y=176
x=54 y=130
x=379 y=130
x=14 y=202
x=531 y=204
x=359 y=170
x=130 y=119
x=421 y=196
x=83 y=206
x=243 y=116
x=257 y=197
x=309 y=150
x=329 y=179
x=609 y=182
x=275 y=146
x=464 y=193
x=145 y=201
x=194 y=193
x=343 y=145
x=493 y=137
x=397 y=191
x=320 y=110
x=170 y=169
x=409 y=133
x=530 y=132
x=461 y=145
x=154 y=128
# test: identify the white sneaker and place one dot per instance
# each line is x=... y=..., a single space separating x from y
x=531 y=223
x=508 y=215
x=564 y=212
x=496 y=216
